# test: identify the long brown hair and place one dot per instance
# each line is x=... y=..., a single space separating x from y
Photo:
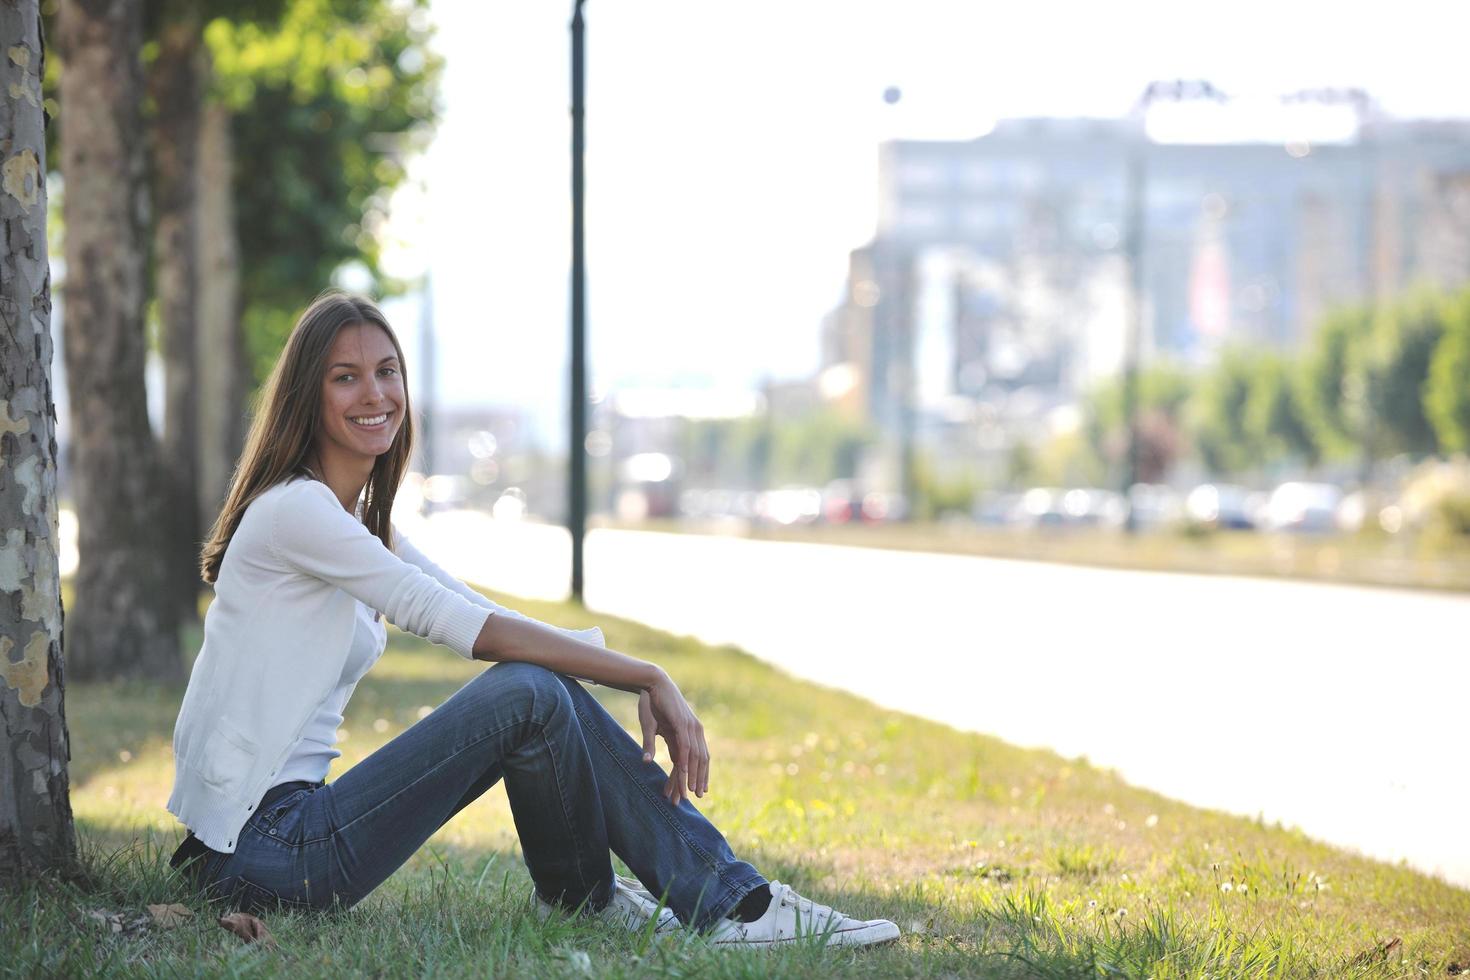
x=287 y=418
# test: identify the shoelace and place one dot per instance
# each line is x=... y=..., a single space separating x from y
x=644 y=905
x=810 y=911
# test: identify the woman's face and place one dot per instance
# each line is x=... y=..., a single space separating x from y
x=362 y=394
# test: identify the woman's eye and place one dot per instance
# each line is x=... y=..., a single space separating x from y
x=388 y=372
x=343 y=377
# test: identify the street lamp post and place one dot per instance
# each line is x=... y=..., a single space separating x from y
x=577 y=444
x=1133 y=246
x=1136 y=216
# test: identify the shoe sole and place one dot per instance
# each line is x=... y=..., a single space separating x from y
x=874 y=934
x=544 y=911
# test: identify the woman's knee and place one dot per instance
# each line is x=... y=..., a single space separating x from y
x=542 y=687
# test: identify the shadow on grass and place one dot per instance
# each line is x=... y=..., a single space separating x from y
x=466 y=912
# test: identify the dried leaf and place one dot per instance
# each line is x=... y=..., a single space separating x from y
x=248 y=928
x=168 y=916
x=113 y=921
x=1380 y=952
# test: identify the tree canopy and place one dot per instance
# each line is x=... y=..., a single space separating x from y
x=328 y=102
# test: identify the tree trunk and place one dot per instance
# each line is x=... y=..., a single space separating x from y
x=125 y=622
x=223 y=368
x=36 y=830
x=175 y=83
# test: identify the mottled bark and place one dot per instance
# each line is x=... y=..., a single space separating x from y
x=223 y=369
x=124 y=622
x=35 y=809
x=176 y=85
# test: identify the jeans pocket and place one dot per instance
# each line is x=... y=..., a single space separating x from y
x=276 y=821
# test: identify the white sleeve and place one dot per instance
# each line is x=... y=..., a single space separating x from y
x=312 y=532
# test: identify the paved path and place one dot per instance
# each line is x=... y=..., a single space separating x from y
x=1338 y=709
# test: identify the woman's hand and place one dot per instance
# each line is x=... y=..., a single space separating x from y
x=662 y=710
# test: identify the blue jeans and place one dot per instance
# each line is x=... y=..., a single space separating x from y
x=577 y=785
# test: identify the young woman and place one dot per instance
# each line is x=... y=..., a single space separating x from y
x=305 y=564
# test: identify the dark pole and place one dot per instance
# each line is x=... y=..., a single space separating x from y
x=428 y=389
x=577 y=446
x=1137 y=147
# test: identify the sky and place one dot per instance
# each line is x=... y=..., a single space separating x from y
x=732 y=156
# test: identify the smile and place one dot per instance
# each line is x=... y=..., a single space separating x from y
x=369 y=421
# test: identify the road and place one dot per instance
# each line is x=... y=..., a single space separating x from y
x=1341 y=710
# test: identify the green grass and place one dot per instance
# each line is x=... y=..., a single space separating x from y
x=996 y=861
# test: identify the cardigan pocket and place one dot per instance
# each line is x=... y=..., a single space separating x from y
x=228 y=757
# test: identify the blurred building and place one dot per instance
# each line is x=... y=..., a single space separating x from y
x=997 y=275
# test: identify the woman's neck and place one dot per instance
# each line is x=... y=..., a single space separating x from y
x=345 y=477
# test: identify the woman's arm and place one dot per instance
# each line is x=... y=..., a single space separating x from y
x=662 y=708
x=513 y=638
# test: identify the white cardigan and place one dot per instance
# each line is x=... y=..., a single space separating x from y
x=277 y=635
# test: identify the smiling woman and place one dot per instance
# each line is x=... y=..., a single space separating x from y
x=306 y=563
x=363 y=400
x=297 y=436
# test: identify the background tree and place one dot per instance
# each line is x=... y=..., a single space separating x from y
x=36 y=829
x=1222 y=436
x=817 y=447
x=1333 y=388
x=1397 y=365
x=1275 y=416
x=327 y=105
x=222 y=365
x=1163 y=392
x=1447 y=391
x=175 y=82
x=125 y=621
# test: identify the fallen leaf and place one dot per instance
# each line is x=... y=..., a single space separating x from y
x=248 y=928
x=168 y=916
x=112 y=920
x=1380 y=952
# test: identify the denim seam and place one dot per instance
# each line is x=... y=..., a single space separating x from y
x=562 y=796
x=708 y=859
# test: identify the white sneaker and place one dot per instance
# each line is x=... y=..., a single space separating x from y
x=631 y=908
x=792 y=918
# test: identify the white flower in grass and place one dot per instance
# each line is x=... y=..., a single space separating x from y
x=1244 y=888
x=578 y=960
x=1152 y=821
x=1226 y=886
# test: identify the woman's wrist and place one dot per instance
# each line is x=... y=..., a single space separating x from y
x=654 y=676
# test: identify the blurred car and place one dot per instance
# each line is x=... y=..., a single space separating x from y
x=1223 y=506
x=997 y=509
x=1304 y=507
x=1068 y=507
x=842 y=502
x=790 y=505
x=1155 y=505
